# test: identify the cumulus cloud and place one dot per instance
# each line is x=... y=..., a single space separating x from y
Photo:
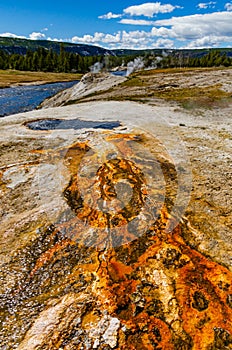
x=228 y=6
x=197 y=30
x=207 y=42
x=137 y=22
x=32 y=36
x=206 y=5
x=37 y=36
x=137 y=39
x=11 y=35
x=121 y=39
x=98 y=38
x=149 y=9
x=162 y=32
x=164 y=43
x=198 y=26
x=194 y=31
x=110 y=15
x=56 y=39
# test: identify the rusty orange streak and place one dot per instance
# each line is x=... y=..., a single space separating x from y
x=45 y=257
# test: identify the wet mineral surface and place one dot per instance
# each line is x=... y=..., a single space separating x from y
x=51 y=124
x=95 y=252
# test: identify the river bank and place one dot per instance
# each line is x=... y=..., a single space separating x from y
x=10 y=78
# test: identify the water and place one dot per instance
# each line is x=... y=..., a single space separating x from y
x=121 y=73
x=51 y=124
x=26 y=98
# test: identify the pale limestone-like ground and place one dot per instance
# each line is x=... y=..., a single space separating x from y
x=202 y=145
x=148 y=86
x=46 y=306
x=90 y=84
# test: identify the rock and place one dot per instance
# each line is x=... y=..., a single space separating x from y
x=110 y=336
x=91 y=83
x=105 y=235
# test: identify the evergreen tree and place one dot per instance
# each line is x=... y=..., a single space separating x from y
x=35 y=61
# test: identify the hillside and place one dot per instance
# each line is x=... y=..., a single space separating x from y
x=172 y=52
x=20 y=46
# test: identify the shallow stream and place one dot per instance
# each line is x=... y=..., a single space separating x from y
x=20 y=99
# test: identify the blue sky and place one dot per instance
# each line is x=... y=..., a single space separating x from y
x=121 y=24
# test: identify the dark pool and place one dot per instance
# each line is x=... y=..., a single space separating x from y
x=52 y=124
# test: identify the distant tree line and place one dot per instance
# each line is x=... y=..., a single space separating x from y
x=50 y=61
x=47 y=61
x=213 y=58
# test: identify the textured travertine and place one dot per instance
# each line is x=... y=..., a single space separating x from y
x=89 y=84
x=74 y=277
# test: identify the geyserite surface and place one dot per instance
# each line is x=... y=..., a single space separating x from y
x=96 y=267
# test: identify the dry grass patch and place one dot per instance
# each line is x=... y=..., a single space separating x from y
x=205 y=97
x=12 y=77
x=133 y=81
x=169 y=71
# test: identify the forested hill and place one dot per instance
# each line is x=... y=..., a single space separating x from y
x=191 y=53
x=21 y=46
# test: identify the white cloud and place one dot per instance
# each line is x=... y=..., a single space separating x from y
x=206 y=5
x=162 y=32
x=202 y=5
x=228 y=6
x=37 y=36
x=214 y=17
x=87 y=39
x=11 y=35
x=164 y=43
x=207 y=42
x=149 y=9
x=133 y=39
x=197 y=26
x=98 y=38
x=110 y=15
x=56 y=39
x=195 y=31
x=121 y=39
x=138 y=22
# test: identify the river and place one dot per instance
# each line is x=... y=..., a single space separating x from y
x=26 y=98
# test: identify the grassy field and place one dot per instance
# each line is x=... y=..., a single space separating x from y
x=12 y=77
